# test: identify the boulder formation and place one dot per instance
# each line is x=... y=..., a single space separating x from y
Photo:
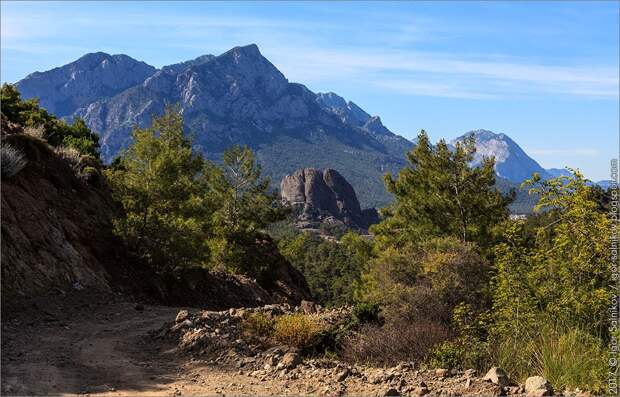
x=324 y=196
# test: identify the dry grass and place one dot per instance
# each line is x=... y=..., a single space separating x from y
x=394 y=342
x=257 y=325
x=35 y=132
x=296 y=330
x=12 y=160
x=71 y=155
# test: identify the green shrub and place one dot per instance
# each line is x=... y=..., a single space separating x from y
x=426 y=281
x=568 y=358
x=447 y=354
x=366 y=313
x=332 y=269
x=257 y=324
x=297 y=330
x=37 y=122
x=571 y=359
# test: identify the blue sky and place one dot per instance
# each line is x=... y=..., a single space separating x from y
x=546 y=74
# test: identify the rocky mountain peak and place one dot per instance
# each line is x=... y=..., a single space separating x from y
x=331 y=100
x=375 y=126
x=324 y=195
x=238 y=97
x=179 y=67
x=348 y=112
x=248 y=51
x=511 y=162
x=92 y=77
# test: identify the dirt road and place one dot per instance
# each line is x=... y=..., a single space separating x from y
x=105 y=349
x=70 y=345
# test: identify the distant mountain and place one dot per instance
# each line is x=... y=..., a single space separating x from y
x=351 y=114
x=556 y=172
x=238 y=97
x=511 y=162
x=605 y=183
x=94 y=76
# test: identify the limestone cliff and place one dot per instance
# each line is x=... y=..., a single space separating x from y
x=325 y=195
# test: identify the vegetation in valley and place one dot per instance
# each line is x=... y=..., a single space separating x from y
x=331 y=268
x=528 y=295
x=460 y=285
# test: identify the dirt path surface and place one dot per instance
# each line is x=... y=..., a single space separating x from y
x=80 y=345
x=78 y=348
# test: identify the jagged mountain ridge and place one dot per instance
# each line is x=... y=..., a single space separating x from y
x=238 y=97
x=98 y=75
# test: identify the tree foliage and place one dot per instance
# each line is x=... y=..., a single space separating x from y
x=245 y=208
x=164 y=190
x=182 y=210
x=332 y=269
x=28 y=113
x=440 y=194
x=563 y=272
x=426 y=281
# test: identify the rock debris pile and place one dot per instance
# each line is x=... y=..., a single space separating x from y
x=221 y=338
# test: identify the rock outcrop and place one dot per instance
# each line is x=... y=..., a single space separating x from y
x=56 y=227
x=324 y=196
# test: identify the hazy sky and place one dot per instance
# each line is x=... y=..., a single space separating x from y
x=546 y=74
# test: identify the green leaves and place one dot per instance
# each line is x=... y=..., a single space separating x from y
x=163 y=188
x=57 y=132
x=551 y=290
x=332 y=269
x=440 y=194
x=245 y=207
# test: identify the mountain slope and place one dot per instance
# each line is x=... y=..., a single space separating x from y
x=556 y=172
x=511 y=162
x=238 y=97
x=94 y=76
x=354 y=116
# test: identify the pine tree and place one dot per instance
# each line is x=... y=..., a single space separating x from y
x=245 y=208
x=163 y=188
x=440 y=194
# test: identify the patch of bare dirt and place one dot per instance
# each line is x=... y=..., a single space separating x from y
x=70 y=345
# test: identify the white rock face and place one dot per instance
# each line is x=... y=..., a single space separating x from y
x=511 y=162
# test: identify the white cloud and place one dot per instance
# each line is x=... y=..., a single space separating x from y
x=306 y=52
x=409 y=87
